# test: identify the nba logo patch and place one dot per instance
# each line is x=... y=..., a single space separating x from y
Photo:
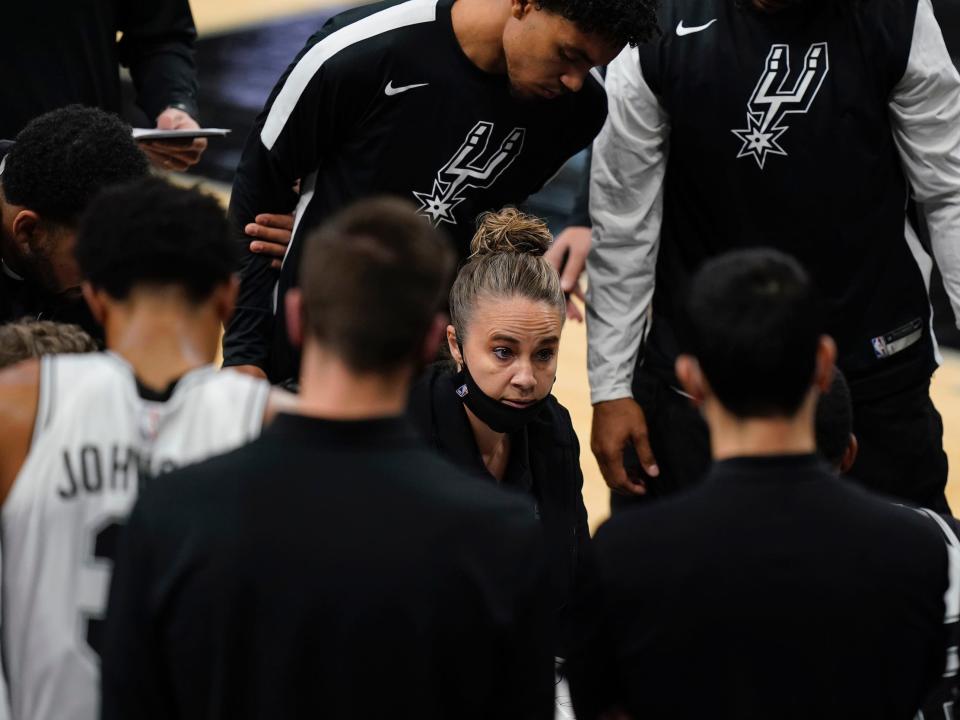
x=462 y=391
x=150 y=424
x=880 y=347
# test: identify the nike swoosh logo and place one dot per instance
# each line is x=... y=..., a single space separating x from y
x=390 y=90
x=681 y=30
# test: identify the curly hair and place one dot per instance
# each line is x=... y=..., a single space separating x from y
x=150 y=232
x=63 y=159
x=622 y=22
x=35 y=338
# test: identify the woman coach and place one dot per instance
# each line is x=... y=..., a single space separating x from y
x=490 y=409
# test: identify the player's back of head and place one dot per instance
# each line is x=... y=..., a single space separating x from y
x=150 y=233
x=753 y=324
x=64 y=158
x=373 y=279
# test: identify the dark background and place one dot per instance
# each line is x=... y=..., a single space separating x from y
x=237 y=70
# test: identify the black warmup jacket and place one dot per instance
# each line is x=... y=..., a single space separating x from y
x=328 y=570
x=384 y=101
x=771 y=590
x=780 y=135
x=544 y=464
x=58 y=52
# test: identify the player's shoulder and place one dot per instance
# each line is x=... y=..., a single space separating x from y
x=379 y=28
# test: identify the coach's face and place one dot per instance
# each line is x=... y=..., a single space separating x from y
x=547 y=55
x=511 y=347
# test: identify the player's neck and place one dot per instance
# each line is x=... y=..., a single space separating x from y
x=478 y=25
x=163 y=341
x=331 y=390
x=732 y=437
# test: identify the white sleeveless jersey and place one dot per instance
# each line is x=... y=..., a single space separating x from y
x=94 y=442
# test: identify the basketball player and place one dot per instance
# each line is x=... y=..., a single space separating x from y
x=771 y=589
x=375 y=579
x=58 y=164
x=797 y=124
x=460 y=107
x=82 y=433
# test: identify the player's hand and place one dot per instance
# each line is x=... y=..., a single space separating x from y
x=251 y=370
x=273 y=233
x=174 y=155
x=574 y=244
x=615 y=424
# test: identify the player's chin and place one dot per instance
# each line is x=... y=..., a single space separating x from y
x=529 y=92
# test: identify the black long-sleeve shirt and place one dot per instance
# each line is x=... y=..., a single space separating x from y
x=773 y=589
x=58 y=52
x=334 y=570
x=383 y=100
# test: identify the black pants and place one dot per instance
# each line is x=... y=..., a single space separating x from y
x=901 y=447
x=678 y=437
x=900 y=436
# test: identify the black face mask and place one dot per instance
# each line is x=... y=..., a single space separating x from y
x=498 y=416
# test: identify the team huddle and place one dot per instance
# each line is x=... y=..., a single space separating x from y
x=375 y=508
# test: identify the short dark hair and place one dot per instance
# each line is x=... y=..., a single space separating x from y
x=373 y=278
x=834 y=419
x=623 y=22
x=36 y=338
x=752 y=322
x=62 y=159
x=150 y=232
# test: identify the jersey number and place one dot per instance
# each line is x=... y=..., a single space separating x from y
x=104 y=550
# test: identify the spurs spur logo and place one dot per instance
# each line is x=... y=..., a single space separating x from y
x=772 y=100
x=466 y=169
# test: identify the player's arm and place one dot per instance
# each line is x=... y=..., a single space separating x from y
x=568 y=253
x=280 y=401
x=299 y=121
x=626 y=203
x=19 y=395
x=925 y=113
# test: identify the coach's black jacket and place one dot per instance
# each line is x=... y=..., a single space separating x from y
x=545 y=462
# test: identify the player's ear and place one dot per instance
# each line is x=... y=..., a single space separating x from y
x=26 y=227
x=293 y=301
x=96 y=303
x=826 y=357
x=691 y=377
x=849 y=455
x=227 y=298
x=431 y=341
x=454 y=346
x=521 y=8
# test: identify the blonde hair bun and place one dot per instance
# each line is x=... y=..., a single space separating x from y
x=512 y=232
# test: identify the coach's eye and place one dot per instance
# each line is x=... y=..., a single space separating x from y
x=503 y=353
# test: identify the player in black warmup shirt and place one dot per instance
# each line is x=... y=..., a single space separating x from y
x=772 y=589
x=337 y=567
x=803 y=125
x=460 y=107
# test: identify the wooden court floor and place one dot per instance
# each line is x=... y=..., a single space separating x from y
x=214 y=16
